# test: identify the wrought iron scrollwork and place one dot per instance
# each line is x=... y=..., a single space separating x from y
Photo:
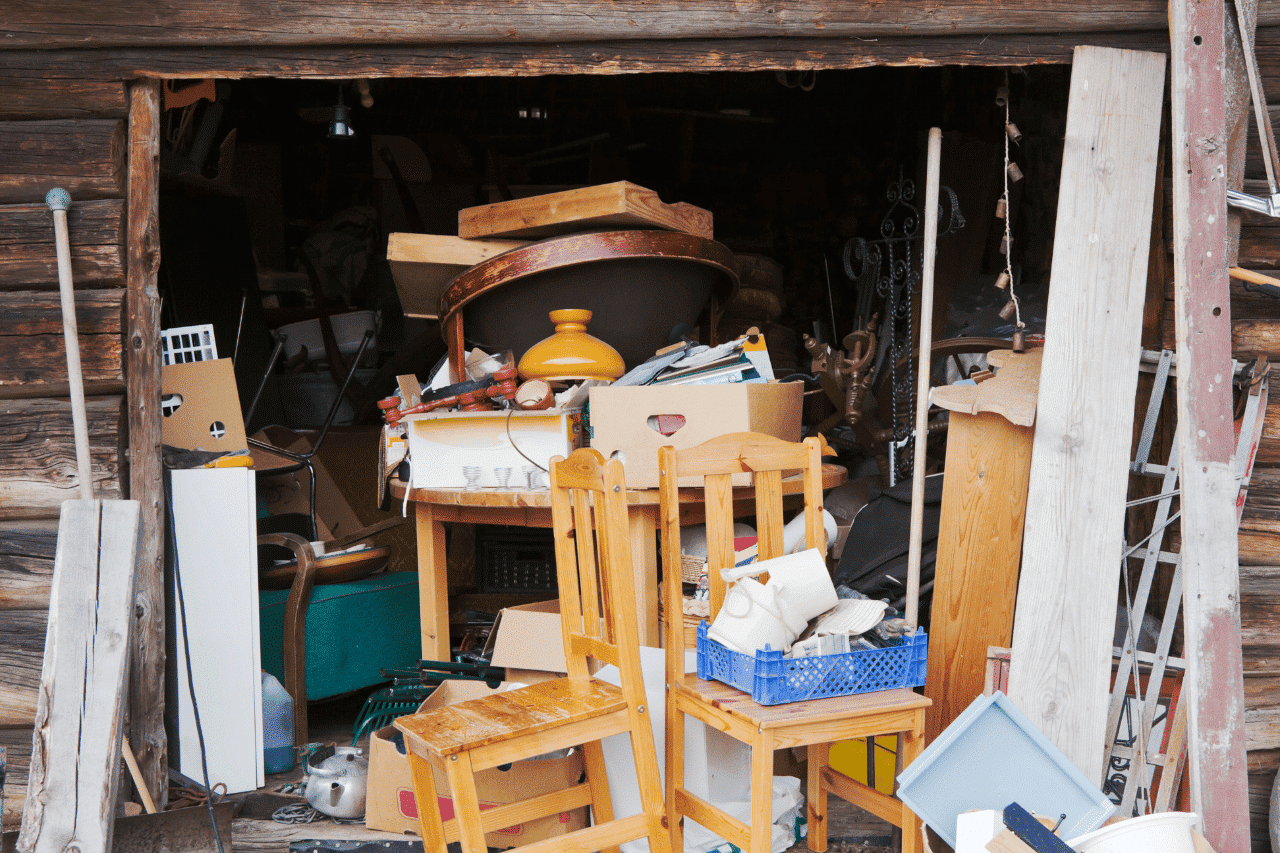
x=888 y=270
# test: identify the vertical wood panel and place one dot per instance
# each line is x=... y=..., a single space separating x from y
x=1214 y=681
x=1079 y=469
x=142 y=367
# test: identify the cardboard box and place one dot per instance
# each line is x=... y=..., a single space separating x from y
x=291 y=492
x=528 y=642
x=448 y=441
x=391 y=805
x=629 y=419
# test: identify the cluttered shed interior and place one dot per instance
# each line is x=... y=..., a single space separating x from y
x=726 y=461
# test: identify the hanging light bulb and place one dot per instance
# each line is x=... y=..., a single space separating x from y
x=340 y=127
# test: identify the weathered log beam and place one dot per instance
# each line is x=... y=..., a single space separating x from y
x=84 y=157
x=119 y=23
x=588 y=57
x=26 y=565
x=17 y=742
x=39 y=97
x=37 y=454
x=27 y=255
x=33 y=358
x=21 y=655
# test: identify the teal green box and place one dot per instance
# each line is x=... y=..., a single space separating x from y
x=354 y=630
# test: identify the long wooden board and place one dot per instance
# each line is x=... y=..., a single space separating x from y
x=980 y=538
x=75 y=756
x=1084 y=419
x=1200 y=60
x=619 y=205
x=424 y=264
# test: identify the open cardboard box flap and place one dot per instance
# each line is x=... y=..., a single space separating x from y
x=526 y=640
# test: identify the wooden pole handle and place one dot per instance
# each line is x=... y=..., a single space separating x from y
x=59 y=200
x=930 y=210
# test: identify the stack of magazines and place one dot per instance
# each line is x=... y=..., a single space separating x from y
x=741 y=360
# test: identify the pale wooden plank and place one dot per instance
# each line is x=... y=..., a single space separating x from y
x=619 y=206
x=1075 y=503
x=75 y=757
x=1201 y=64
x=424 y=264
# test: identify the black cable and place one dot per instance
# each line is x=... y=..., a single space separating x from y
x=186 y=650
x=511 y=412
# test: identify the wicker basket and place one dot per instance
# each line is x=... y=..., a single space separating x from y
x=692 y=568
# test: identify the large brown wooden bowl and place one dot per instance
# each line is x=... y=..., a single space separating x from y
x=639 y=286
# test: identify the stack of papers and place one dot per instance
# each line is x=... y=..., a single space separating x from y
x=694 y=364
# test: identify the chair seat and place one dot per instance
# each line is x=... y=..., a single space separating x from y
x=515 y=713
x=827 y=719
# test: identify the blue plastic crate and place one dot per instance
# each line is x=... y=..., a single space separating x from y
x=772 y=679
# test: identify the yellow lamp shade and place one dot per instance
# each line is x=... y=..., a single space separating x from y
x=571 y=353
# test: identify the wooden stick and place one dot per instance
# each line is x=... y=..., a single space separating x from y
x=922 y=380
x=1253 y=277
x=136 y=773
x=59 y=200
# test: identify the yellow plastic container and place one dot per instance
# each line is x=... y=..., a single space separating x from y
x=850 y=758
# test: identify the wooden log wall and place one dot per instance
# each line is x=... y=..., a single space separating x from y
x=53 y=134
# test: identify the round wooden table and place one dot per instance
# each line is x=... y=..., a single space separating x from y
x=532 y=508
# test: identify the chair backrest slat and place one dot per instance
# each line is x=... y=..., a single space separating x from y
x=769 y=459
x=593 y=563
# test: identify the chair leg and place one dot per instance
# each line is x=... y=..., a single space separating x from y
x=819 y=755
x=424 y=792
x=910 y=745
x=651 y=794
x=466 y=802
x=597 y=778
x=762 y=793
x=674 y=774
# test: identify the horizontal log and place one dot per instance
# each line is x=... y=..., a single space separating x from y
x=1262 y=728
x=26 y=564
x=41 y=97
x=86 y=158
x=27 y=251
x=33 y=357
x=1261 y=691
x=119 y=23
x=1263 y=500
x=21 y=656
x=17 y=743
x=588 y=57
x=37 y=454
x=1259 y=249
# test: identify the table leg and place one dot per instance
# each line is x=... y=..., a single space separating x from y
x=433 y=585
x=643 y=521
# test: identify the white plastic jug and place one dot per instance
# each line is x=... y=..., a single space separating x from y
x=277 y=725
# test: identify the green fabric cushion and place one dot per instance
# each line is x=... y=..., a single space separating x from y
x=353 y=630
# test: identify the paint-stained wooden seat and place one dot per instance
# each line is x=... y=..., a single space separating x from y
x=599 y=621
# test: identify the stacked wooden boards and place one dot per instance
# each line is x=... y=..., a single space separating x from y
x=424 y=264
x=1059 y=675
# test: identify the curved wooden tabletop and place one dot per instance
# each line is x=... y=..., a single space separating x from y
x=832 y=476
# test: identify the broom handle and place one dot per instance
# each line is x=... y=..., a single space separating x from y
x=59 y=200
x=915 y=546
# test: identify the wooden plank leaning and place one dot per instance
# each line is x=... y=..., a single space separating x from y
x=1074 y=537
x=75 y=755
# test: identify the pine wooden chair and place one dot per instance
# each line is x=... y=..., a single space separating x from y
x=593 y=557
x=813 y=723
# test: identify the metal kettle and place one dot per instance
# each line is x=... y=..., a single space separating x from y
x=337 y=780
